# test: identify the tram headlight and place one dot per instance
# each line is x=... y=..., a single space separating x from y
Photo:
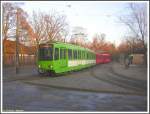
x=39 y=66
x=50 y=66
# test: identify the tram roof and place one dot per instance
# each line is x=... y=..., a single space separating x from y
x=72 y=46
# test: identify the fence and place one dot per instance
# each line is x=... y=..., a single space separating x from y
x=24 y=59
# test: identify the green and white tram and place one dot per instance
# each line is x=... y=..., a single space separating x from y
x=60 y=57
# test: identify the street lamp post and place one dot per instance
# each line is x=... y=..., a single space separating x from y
x=17 y=41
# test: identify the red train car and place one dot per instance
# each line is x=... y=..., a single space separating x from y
x=103 y=58
x=99 y=58
x=106 y=58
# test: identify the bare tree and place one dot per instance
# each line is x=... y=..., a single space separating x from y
x=8 y=18
x=38 y=26
x=39 y=29
x=55 y=26
x=65 y=35
x=136 y=21
x=8 y=23
x=48 y=27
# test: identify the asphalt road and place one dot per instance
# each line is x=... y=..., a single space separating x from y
x=92 y=89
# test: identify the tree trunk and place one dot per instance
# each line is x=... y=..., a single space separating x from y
x=37 y=52
x=4 y=54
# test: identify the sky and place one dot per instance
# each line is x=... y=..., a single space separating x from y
x=94 y=16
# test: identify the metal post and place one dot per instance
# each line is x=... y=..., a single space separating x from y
x=3 y=38
x=17 y=41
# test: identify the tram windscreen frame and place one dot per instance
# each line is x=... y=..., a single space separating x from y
x=45 y=52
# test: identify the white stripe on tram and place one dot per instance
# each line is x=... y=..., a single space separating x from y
x=80 y=62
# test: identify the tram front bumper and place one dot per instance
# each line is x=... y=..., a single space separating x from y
x=45 y=66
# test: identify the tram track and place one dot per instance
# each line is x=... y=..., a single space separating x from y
x=39 y=76
x=121 y=81
x=84 y=90
x=127 y=84
x=108 y=77
x=139 y=83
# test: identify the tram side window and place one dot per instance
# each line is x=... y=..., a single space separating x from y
x=61 y=53
x=78 y=54
x=64 y=53
x=75 y=54
x=90 y=55
x=69 y=53
x=82 y=55
x=87 y=55
x=56 y=53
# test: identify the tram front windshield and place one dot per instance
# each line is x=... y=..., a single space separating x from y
x=46 y=52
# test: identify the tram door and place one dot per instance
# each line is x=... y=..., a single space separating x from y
x=63 y=57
